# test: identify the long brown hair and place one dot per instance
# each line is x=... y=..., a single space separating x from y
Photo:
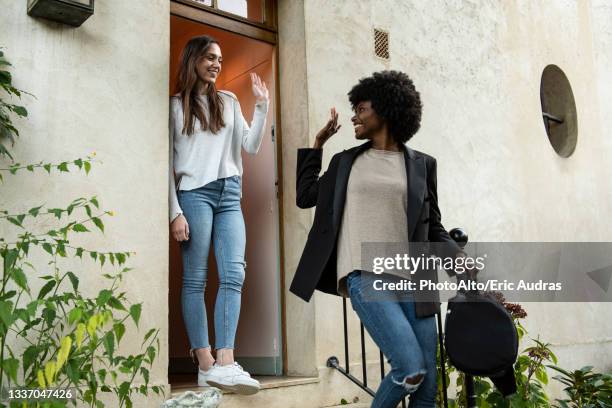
x=186 y=88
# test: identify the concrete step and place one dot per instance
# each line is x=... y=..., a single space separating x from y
x=325 y=391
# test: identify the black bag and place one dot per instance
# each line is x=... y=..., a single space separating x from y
x=480 y=336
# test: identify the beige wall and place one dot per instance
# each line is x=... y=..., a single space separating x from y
x=478 y=67
x=102 y=87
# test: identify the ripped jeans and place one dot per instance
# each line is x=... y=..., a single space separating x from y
x=409 y=343
x=213 y=213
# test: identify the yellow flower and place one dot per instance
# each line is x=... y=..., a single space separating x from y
x=41 y=379
x=111 y=213
x=50 y=371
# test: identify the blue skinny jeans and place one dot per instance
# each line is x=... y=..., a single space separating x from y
x=409 y=343
x=213 y=213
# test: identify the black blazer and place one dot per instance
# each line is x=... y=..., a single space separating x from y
x=317 y=266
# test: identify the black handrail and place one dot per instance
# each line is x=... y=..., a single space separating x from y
x=333 y=361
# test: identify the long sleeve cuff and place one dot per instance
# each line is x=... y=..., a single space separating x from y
x=262 y=107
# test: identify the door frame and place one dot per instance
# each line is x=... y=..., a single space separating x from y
x=226 y=21
x=267 y=33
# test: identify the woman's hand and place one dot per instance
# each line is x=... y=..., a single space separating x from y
x=259 y=89
x=179 y=228
x=328 y=130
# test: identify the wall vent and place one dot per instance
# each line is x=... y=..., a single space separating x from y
x=381 y=43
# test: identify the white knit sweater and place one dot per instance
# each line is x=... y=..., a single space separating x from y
x=203 y=157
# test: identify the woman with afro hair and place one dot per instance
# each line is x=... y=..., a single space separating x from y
x=379 y=192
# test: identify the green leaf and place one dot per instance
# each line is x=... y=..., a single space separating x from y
x=79 y=252
x=61 y=249
x=15 y=221
x=88 y=211
x=6 y=315
x=10 y=365
x=30 y=167
x=103 y=297
x=145 y=374
x=98 y=223
x=20 y=110
x=115 y=303
x=47 y=167
x=87 y=166
x=79 y=228
x=8 y=295
x=34 y=211
x=541 y=375
x=73 y=371
x=109 y=343
x=94 y=255
x=135 y=312
x=124 y=389
x=75 y=315
x=74 y=280
x=48 y=315
x=63 y=166
x=47 y=247
x=151 y=354
x=31 y=307
x=120 y=257
x=94 y=201
x=78 y=163
x=46 y=289
x=119 y=329
x=10 y=257
x=30 y=355
x=20 y=279
x=148 y=335
x=102 y=259
x=5 y=77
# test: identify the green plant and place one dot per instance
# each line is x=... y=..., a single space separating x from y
x=57 y=336
x=585 y=388
x=8 y=132
x=531 y=378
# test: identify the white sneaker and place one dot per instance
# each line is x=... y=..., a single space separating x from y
x=203 y=377
x=232 y=378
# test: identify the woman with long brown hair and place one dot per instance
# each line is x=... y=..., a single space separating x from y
x=207 y=134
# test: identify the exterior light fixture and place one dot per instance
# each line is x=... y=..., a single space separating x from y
x=71 y=12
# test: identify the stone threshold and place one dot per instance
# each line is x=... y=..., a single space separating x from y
x=267 y=382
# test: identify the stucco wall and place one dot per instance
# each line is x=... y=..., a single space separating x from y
x=478 y=67
x=102 y=87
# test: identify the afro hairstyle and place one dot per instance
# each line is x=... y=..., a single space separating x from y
x=394 y=98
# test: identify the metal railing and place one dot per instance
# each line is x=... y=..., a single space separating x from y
x=333 y=361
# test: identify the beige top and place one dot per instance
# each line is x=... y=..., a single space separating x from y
x=375 y=209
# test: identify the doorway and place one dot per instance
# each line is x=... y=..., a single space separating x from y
x=258 y=345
